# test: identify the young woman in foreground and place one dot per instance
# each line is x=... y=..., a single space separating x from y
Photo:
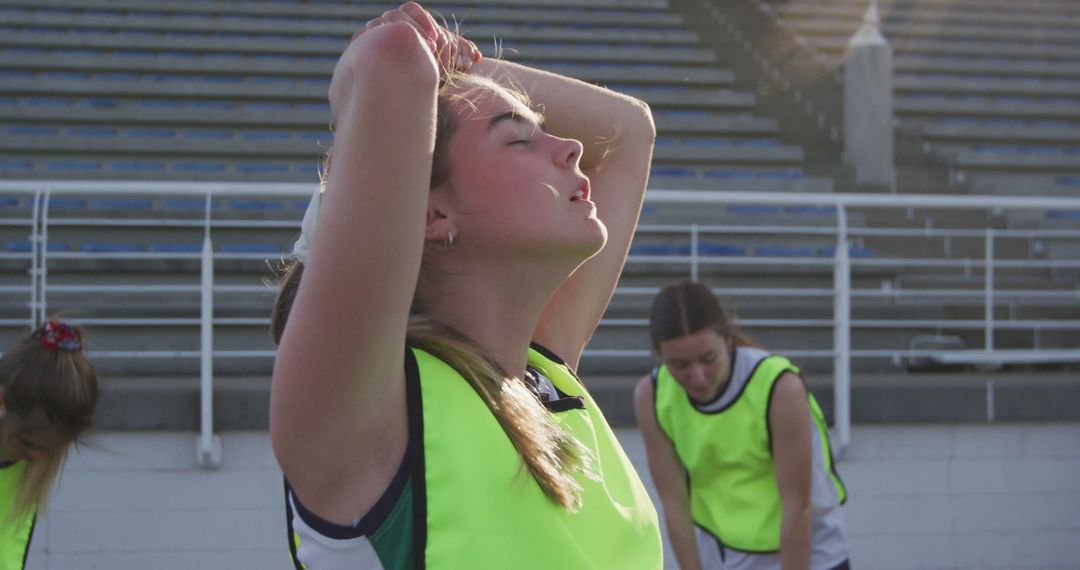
x=475 y=218
x=737 y=447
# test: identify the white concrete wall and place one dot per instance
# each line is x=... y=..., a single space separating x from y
x=921 y=497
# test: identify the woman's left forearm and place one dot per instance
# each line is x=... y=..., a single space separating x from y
x=603 y=120
x=795 y=543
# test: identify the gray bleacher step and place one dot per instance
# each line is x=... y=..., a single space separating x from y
x=1035 y=162
x=229 y=174
x=808 y=184
x=746 y=156
x=726 y=124
x=242 y=403
x=708 y=99
x=540 y=52
x=922 y=13
x=1064 y=8
x=163 y=147
x=892 y=29
x=306 y=30
x=266 y=47
x=359 y=13
x=836 y=46
x=196 y=69
x=1064 y=69
x=993 y=133
x=969 y=107
x=129 y=113
x=908 y=83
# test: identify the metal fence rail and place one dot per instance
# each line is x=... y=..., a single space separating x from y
x=840 y=264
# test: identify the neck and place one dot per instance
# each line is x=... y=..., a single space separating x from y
x=497 y=305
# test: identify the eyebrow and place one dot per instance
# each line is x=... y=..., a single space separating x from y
x=515 y=117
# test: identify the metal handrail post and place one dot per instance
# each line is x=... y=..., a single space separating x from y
x=35 y=257
x=694 y=252
x=208 y=448
x=842 y=335
x=988 y=293
x=43 y=274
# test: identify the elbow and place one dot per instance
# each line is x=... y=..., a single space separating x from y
x=645 y=118
x=637 y=122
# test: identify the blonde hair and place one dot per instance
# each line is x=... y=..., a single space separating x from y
x=45 y=389
x=551 y=455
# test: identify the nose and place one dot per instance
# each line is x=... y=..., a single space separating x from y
x=697 y=376
x=568 y=153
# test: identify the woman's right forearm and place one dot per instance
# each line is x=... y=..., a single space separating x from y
x=683 y=541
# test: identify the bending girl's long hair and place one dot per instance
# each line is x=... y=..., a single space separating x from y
x=45 y=389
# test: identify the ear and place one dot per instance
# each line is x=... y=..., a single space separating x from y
x=440 y=223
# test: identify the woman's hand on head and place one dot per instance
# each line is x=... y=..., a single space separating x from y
x=453 y=52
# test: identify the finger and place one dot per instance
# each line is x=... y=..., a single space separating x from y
x=422 y=17
x=474 y=52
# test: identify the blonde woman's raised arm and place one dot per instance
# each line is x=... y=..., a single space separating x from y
x=338 y=395
x=617 y=134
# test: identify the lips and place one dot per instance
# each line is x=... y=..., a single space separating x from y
x=582 y=193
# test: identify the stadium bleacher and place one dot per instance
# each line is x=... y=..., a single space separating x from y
x=213 y=91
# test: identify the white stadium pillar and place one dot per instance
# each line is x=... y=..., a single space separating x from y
x=868 y=103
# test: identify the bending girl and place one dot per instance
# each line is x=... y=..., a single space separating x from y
x=737 y=447
x=475 y=219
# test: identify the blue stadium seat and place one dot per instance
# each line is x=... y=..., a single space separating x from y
x=1063 y=214
x=783 y=251
x=208 y=134
x=16 y=164
x=107 y=247
x=153 y=133
x=126 y=203
x=1067 y=180
x=175 y=247
x=251 y=248
x=262 y=168
x=90 y=132
x=137 y=166
x=55 y=202
x=253 y=204
x=265 y=135
x=48 y=102
x=6 y=202
x=659 y=249
x=758 y=209
x=721 y=249
x=188 y=204
x=781 y=174
x=198 y=167
x=728 y=173
x=33 y=131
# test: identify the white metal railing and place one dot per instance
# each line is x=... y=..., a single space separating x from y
x=841 y=264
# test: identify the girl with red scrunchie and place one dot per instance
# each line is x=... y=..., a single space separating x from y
x=48 y=392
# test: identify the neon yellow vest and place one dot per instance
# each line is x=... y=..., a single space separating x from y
x=728 y=456
x=482 y=508
x=14 y=536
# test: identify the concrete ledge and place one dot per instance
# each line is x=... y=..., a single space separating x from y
x=153 y=404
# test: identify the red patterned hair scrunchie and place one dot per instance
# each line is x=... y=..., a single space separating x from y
x=60 y=336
